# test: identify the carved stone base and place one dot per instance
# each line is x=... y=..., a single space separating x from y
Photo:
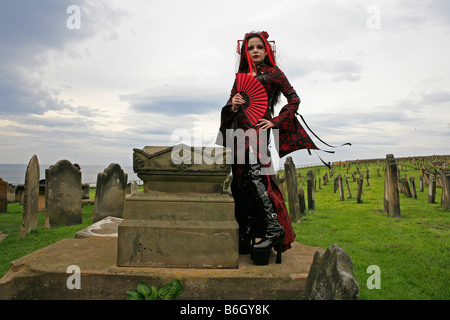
x=178 y=230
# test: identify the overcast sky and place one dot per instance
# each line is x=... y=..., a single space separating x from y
x=119 y=75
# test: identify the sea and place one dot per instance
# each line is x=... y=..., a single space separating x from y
x=15 y=173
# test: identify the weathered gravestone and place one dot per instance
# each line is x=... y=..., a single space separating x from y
x=20 y=193
x=391 y=197
x=11 y=196
x=301 y=199
x=444 y=175
x=360 y=189
x=348 y=188
x=182 y=218
x=432 y=189
x=63 y=194
x=85 y=191
x=31 y=197
x=110 y=193
x=413 y=187
x=331 y=276
x=406 y=188
x=341 y=187
x=3 y=196
x=292 y=189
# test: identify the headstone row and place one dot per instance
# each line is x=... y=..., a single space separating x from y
x=63 y=192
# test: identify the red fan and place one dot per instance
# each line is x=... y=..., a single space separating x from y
x=254 y=95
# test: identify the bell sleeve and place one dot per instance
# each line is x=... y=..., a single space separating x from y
x=287 y=113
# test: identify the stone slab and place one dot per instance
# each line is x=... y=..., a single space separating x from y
x=43 y=275
x=107 y=227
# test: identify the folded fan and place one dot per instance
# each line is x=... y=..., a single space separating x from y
x=255 y=97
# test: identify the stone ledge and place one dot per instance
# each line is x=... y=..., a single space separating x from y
x=43 y=275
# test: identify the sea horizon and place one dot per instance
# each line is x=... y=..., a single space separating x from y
x=14 y=173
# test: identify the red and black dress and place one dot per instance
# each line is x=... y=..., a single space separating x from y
x=291 y=137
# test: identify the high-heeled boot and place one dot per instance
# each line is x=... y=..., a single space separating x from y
x=246 y=238
x=274 y=234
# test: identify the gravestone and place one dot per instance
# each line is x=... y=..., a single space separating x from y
x=413 y=187
x=20 y=189
x=444 y=176
x=85 y=191
x=432 y=189
x=391 y=196
x=341 y=187
x=3 y=196
x=301 y=199
x=110 y=193
x=31 y=197
x=63 y=205
x=406 y=188
x=182 y=218
x=331 y=276
x=292 y=189
x=360 y=190
x=11 y=196
x=310 y=190
x=348 y=188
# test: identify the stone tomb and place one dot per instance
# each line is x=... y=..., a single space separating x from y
x=183 y=218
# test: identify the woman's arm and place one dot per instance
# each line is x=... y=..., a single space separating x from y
x=289 y=110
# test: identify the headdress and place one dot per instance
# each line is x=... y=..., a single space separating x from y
x=268 y=45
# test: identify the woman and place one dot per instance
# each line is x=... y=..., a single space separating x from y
x=259 y=205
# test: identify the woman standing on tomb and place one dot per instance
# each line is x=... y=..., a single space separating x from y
x=260 y=209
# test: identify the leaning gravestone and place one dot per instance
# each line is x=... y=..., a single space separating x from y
x=292 y=189
x=3 y=196
x=63 y=194
x=31 y=196
x=110 y=193
x=331 y=276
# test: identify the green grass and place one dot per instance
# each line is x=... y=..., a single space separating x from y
x=413 y=252
x=12 y=247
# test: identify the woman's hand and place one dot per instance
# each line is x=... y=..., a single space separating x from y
x=265 y=124
x=236 y=102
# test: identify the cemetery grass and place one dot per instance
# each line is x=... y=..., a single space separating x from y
x=412 y=252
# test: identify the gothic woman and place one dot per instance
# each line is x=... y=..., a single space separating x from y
x=259 y=205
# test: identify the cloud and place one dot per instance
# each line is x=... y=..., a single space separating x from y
x=30 y=32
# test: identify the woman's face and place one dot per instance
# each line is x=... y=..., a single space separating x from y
x=256 y=50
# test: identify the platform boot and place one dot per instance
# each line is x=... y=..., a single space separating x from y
x=274 y=234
